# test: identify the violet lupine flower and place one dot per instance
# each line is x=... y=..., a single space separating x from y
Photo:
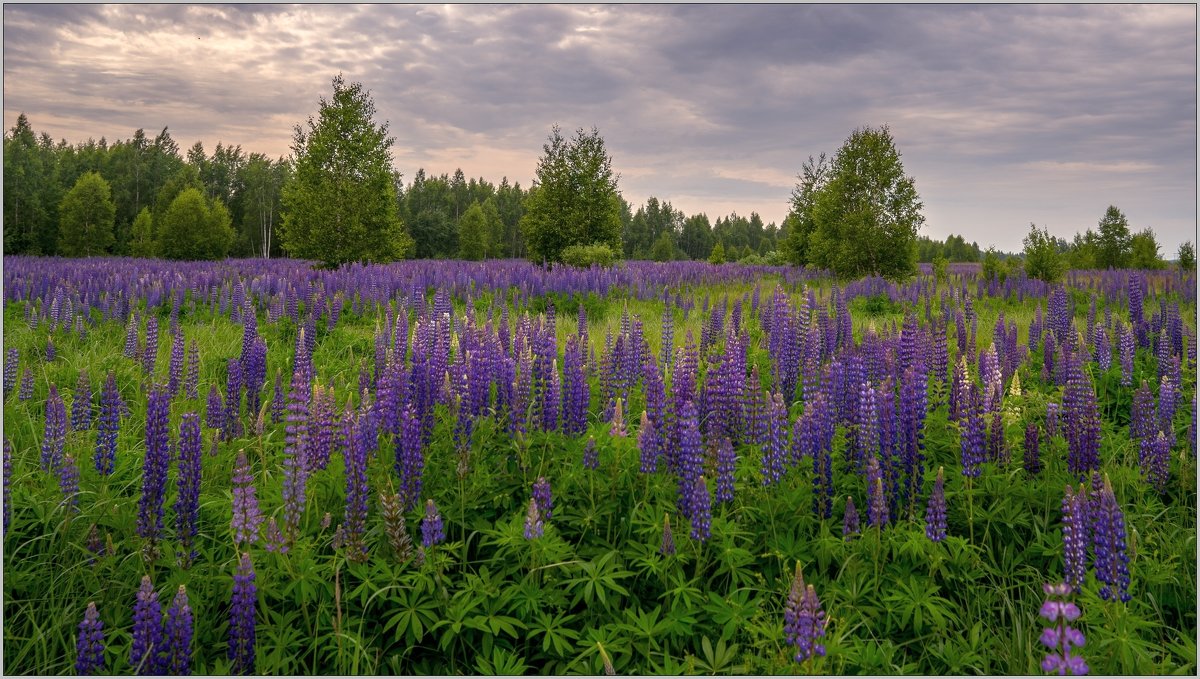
x=591 y=457
x=25 y=391
x=175 y=365
x=322 y=426
x=1103 y=349
x=701 y=505
x=246 y=515
x=1051 y=419
x=1167 y=395
x=691 y=456
x=1111 y=561
x=241 y=617
x=131 y=336
x=433 y=529
x=7 y=483
x=177 y=630
x=866 y=426
x=354 y=521
x=617 y=427
x=51 y=353
x=877 y=508
x=410 y=460
x=279 y=402
x=1079 y=409
x=150 y=354
x=394 y=524
x=997 y=449
x=233 y=401
x=541 y=493
x=1126 y=344
x=154 y=469
x=187 y=503
x=89 y=649
x=12 y=358
x=552 y=399
x=81 y=404
x=935 y=513
x=575 y=394
x=775 y=451
x=1154 y=459
x=55 y=436
x=295 y=450
x=273 y=538
x=145 y=653
x=1061 y=638
x=726 y=463
x=971 y=435
x=667 y=547
x=1142 y=416
x=1033 y=461
x=803 y=620
x=191 y=378
x=534 y=528
x=850 y=522
x=68 y=482
x=1076 y=536
x=215 y=414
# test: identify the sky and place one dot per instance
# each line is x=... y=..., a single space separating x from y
x=1004 y=115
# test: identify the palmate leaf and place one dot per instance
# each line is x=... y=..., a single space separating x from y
x=501 y=663
x=417 y=613
x=557 y=636
x=598 y=579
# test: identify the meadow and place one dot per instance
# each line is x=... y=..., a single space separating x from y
x=432 y=467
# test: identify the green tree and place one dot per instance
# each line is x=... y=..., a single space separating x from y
x=696 y=237
x=575 y=199
x=340 y=204
x=1187 y=256
x=717 y=256
x=26 y=215
x=86 y=218
x=1113 y=242
x=1042 y=260
x=993 y=266
x=494 y=230
x=865 y=212
x=195 y=228
x=1083 y=251
x=1143 y=251
x=472 y=233
x=141 y=235
x=801 y=223
x=663 y=249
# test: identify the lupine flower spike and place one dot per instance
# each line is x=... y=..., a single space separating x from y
x=668 y=540
x=178 y=633
x=241 y=618
x=534 y=528
x=803 y=619
x=1061 y=639
x=144 y=652
x=89 y=650
x=433 y=529
x=935 y=515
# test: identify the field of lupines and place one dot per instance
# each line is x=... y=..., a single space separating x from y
x=450 y=467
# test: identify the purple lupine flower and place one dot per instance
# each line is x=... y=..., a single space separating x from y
x=1061 y=638
x=1076 y=536
x=187 y=502
x=273 y=538
x=433 y=529
x=394 y=525
x=997 y=449
x=877 y=508
x=850 y=522
x=131 y=336
x=726 y=463
x=177 y=630
x=145 y=653
x=617 y=426
x=51 y=353
x=866 y=426
x=246 y=515
x=89 y=649
x=1103 y=348
x=1154 y=459
x=541 y=493
x=1142 y=416
x=1033 y=461
x=701 y=505
x=233 y=401
x=191 y=379
x=241 y=617
x=775 y=451
x=354 y=521
x=551 y=398
x=1079 y=409
x=667 y=547
x=1051 y=419
x=175 y=365
x=575 y=394
x=55 y=436
x=154 y=469
x=1126 y=344
x=803 y=620
x=972 y=434
x=295 y=450
x=1111 y=561
x=935 y=513
x=94 y=545
x=1168 y=392
x=279 y=402
x=7 y=483
x=68 y=482
x=12 y=358
x=81 y=404
x=215 y=414
x=534 y=528
x=410 y=460
x=591 y=456
x=690 y=456
x=25 y=391
x=322 y=425
x=151 y=352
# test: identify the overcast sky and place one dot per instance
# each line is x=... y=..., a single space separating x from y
x=1004 y=115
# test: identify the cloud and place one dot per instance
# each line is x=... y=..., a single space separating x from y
x=1005 y=114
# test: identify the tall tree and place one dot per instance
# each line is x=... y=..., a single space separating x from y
x=1187 y=256
x=696 y=239
x=1143 y=251
x=86 y=218
x=195 y=228
x=25 y=213
x=867 y=212
x=340 y=205
x=1042 y=259
x=1113 y=242
x=260 y=182
x=575 y=200
x=472 y=234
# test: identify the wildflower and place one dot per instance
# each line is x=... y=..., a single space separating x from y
x=7 y=483
x=1154 y=458
x=701 y=511
x=151 y=352
x=935 y=514
x=178 y=633
x=410 y=460
x=81 y=404
x=726 y=462
x=1061 y=638
x=154 y=469
x=1076 y=536
x=850 y=522
x=1142 y=422
x=68 y=482
x=25 y=391
x=803 y=620
x=668 y=540
x=51 y=353
x=295 y=450
x=175 y=365
x=1033 y=463
x=246 y=515
x=12 y=358
x=1111 y=561
x=541 y=493
x=145 y=651
x=241 y=617
x=187 y=504
x=533 y=521
x=877 y=508
x=191 y=379
x=89 y=650
x=354 y=521
x=215 y=413
x=618 y=422
x=55 y=437
x=394 y=525
x=109 y=426
x=433 y=529
x=591 y=457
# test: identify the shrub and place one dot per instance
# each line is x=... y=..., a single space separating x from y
x=585 y=256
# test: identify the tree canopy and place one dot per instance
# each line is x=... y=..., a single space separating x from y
x=86 y=218
x=1042 y=259
x=340 y=204
x=574 y=200
x=857 y=214
x=1113 y=242
x=195 y=228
